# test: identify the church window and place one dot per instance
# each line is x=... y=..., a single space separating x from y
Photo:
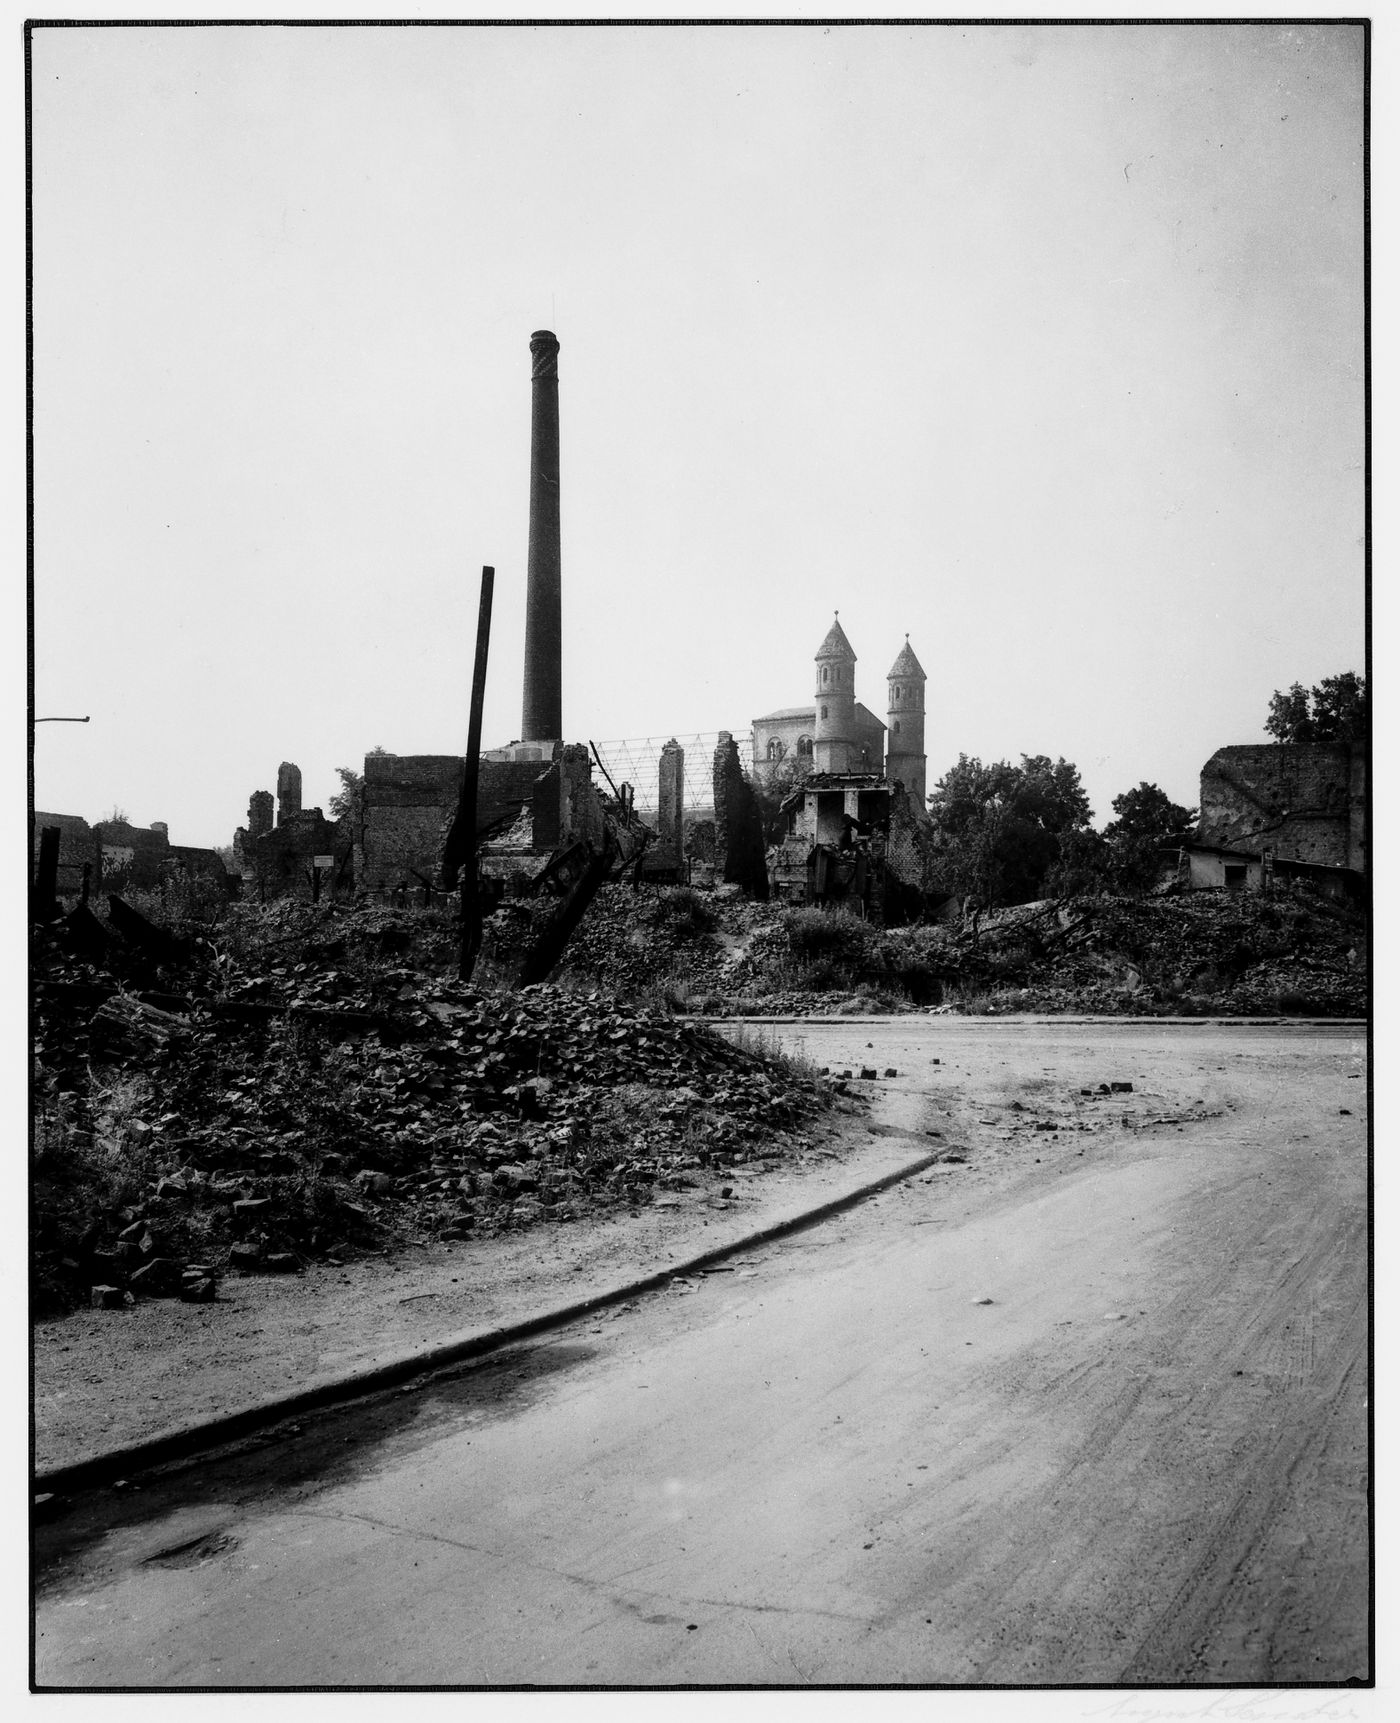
x=824 y=672
x=804 y=747
x=775 y=748
x=896 y=726
x=823 y=711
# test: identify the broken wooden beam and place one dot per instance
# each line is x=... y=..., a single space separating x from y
x=548 y=948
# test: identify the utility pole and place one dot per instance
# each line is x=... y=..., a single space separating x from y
x=464 y=849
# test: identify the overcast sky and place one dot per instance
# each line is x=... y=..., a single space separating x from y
x=1042 y=344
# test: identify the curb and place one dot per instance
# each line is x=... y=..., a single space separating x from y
x=191 y=1439
x=1031 y=1020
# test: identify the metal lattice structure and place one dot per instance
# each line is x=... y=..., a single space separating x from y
x=637 y=761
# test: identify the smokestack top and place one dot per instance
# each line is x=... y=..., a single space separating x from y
x=544 y=345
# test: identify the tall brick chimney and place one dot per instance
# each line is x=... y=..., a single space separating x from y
x=542 y=720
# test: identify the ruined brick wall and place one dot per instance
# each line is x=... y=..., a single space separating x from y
x=1359 y=814
x=288 y=791
x=200 y=863
x=131 y=855
x=259 y=813
x=504 y=787
x=545 y=828
x=670 y=802
x=77 y=844
x=1307 y=803
x=281 y=860
x=580 y=811
x=408 y=803
x=406 y=800
x=739 y=847
x=907 y=848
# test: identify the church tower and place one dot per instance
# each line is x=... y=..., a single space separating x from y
x=905 y=758
x=833 y=741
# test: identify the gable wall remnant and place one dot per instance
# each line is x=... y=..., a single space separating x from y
x=1306 y=802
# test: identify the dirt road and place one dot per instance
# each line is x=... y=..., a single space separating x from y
x=1085 y=1404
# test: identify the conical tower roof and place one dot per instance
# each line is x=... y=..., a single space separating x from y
x=836 y=644
x=907 y=665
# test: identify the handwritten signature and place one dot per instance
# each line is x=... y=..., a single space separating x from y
x=1260 y=1707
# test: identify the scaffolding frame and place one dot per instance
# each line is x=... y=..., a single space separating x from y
x=636 y=760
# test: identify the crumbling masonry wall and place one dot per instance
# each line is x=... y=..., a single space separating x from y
x=580 y=812
x=1307 y=803
x=288 y=791
x=408 y=802
x=259 y=813
x=739 y=847
x=77 y=845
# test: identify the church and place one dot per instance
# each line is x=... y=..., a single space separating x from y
x=838 y=735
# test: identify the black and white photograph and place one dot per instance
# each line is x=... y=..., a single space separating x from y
x=699 y=830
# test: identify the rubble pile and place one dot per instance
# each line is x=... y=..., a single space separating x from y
x=630 y=942
x=1200 y=953
x=241 y=1114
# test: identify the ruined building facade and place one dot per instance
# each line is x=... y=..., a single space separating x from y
x=1304 y=801
x=1280 y=810
x=119 y=856
x=296 y=852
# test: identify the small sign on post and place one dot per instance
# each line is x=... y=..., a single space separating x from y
x=319 y=865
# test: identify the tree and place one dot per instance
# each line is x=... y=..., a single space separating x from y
x=348 y=801
x=773 y=785
x=1338 y=709
x=1148 y=821
x=999 y=829
x=1082 y=868
x=1148 y=812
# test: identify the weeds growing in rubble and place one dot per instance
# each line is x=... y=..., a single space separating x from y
x=687 y=912
x=184 y=903
x=788 y=1053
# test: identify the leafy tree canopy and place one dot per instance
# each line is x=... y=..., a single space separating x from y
x=1148 y=819
x=1000 y=829
x=1148 y=812
x=347 y=799
x=1338 y=709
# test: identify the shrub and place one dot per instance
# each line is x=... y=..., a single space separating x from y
x=820 y=933
x=686 y=912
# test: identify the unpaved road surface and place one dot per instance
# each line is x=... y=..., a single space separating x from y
x=1086 y=1404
